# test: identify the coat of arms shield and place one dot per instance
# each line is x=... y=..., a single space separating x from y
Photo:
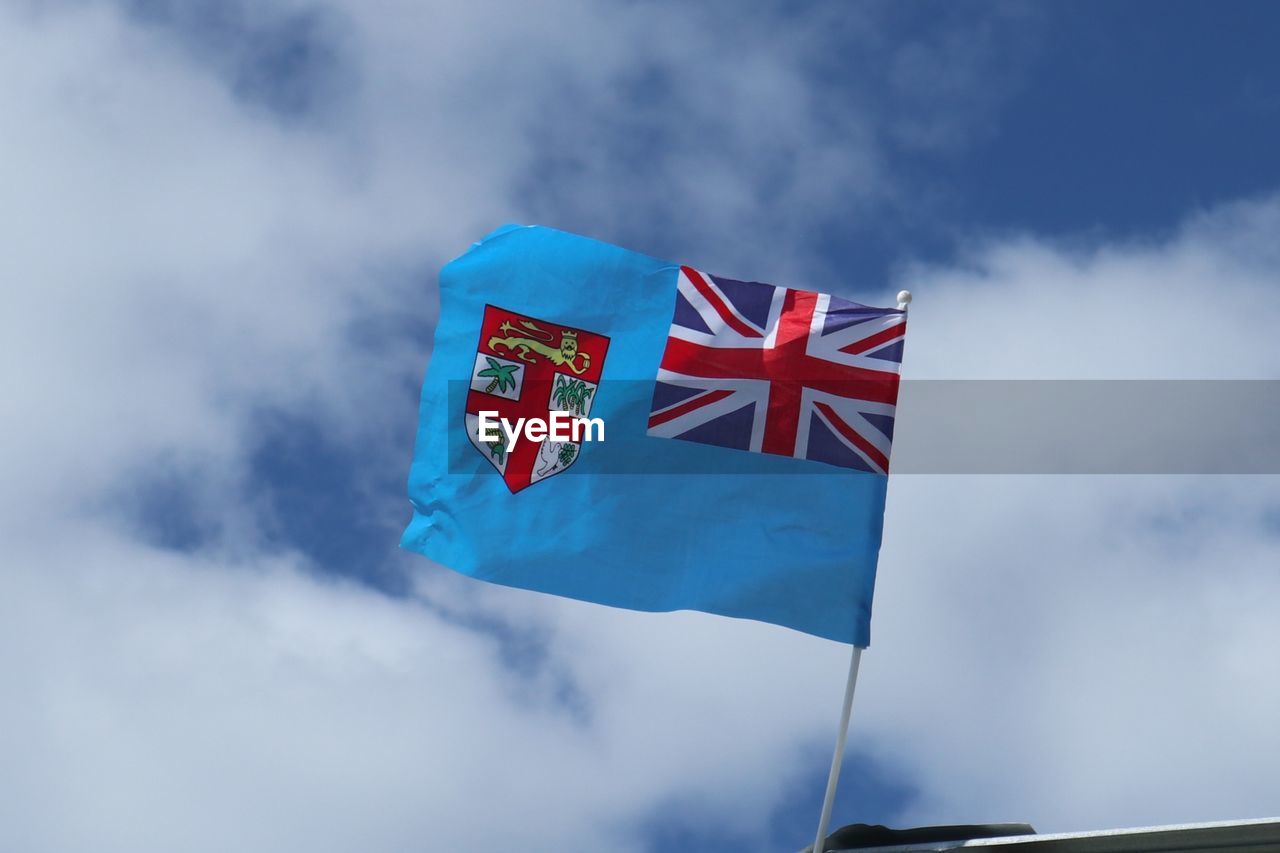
x=527 y=368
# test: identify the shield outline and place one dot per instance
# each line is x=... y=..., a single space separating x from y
x=520 y=469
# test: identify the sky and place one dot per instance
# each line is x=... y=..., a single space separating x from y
x=222 y=224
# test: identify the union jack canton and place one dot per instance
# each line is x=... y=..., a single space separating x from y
x=768 y=369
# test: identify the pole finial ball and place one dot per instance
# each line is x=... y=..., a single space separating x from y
x=904 y=297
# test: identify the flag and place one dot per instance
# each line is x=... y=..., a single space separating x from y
x=767 y=369
x=689 y=441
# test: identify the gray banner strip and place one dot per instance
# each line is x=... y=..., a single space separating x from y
x=1088 y=427
x=1019 y=427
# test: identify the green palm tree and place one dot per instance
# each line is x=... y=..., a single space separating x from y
x=500 y=375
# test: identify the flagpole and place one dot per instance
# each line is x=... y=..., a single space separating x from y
x=842 y=736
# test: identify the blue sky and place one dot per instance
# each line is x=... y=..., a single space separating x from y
x=226 y=219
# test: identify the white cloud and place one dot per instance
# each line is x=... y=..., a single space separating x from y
x=179 y=257
x=166 y=702
x=1085 y=652
x=1079 y=652
x=1198 y=304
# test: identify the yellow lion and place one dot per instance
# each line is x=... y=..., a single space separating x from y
x=521 y=346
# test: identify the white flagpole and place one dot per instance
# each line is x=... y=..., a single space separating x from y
x=828 y=800
x=836 y=759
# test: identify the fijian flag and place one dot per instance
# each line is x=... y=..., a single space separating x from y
x=770 y=369
x=787 y=539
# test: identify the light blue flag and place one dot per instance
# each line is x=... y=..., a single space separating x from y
x=606 y=426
